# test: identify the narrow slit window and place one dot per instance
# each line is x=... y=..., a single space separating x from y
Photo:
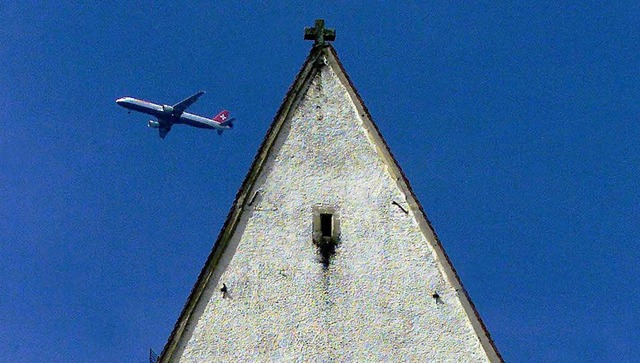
x=326 y=233
x=326 y=225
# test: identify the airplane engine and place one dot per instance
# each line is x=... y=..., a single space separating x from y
x=153 y=124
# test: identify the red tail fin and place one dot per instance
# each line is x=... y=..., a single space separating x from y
x=221 y=117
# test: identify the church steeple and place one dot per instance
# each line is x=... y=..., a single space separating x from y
x=326 y=253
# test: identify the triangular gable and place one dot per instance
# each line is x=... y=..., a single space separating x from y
x=319 y=57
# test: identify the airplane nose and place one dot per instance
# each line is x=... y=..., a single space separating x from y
x=122 y=101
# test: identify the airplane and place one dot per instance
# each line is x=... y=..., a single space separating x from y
x=167 y=116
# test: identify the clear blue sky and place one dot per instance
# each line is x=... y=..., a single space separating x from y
x=516 y=124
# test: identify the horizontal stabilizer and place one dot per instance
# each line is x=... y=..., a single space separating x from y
x=228 y=123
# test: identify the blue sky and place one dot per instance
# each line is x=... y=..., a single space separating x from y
x=516 y=124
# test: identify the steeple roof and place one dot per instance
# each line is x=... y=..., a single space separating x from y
x=322 y=56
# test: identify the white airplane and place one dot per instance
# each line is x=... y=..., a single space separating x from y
x=168 y=116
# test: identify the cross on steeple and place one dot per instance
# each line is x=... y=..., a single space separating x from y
x=319 y=33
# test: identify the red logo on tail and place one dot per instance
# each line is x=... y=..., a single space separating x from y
x=221 y=117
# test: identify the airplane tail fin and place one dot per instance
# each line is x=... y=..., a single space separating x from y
x=223 y=119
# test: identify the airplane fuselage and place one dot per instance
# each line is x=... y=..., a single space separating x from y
x=167 y=116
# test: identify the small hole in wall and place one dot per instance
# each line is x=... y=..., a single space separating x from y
x=437 y=297
x=224 y=290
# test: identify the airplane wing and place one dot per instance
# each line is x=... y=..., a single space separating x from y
x=164 y=130
x=182 y=105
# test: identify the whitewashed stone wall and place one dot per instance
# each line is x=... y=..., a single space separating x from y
x=373 y=303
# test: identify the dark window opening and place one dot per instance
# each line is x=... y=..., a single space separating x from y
x=326 y=233
x=326 y=224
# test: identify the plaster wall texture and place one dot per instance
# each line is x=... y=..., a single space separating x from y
x=373 y=303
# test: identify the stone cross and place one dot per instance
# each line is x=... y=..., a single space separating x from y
x=319 y=34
